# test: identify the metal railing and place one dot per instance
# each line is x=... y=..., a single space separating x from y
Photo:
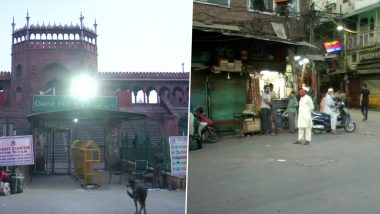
x=145 y=149
x=361 y=40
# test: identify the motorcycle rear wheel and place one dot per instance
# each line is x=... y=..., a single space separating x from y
x=350 y=127
x=210 y=136
x=317 y=131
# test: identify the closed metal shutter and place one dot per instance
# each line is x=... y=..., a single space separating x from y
x=198 y=94
x=373 y=85
x=227 y=96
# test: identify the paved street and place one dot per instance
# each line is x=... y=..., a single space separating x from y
x=337 y=174
x=62 y=195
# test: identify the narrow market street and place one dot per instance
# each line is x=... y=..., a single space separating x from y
x=62 y=195
x=268 y=174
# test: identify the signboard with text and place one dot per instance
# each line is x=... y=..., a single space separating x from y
x=332 y=47
x=16 y=150
x=46 y=103
x=178 y=155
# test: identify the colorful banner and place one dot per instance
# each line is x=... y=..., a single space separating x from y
x=46 y=103
x=16 y=150
x=178 y=155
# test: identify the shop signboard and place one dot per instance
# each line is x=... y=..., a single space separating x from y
x=178 y=155
x=332 y=47
x=16 y=150
x=46 y=103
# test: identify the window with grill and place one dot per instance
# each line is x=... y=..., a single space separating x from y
x=215 y=2
x=261 y=5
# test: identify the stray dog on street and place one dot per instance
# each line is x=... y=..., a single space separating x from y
x=138 y=194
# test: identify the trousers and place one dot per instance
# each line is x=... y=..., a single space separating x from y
x=333 y=118
x=292 y=121
x=364 y=109
x=304 y=134
x=266 y=122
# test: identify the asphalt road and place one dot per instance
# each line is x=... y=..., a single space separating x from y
x=62 y=195
x=337 y=174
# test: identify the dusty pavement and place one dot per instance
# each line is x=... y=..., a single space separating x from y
x=268 y=174
x=62 y=195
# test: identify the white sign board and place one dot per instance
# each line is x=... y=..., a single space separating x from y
x=16 y=150
x=279 y=30
x=178 y=155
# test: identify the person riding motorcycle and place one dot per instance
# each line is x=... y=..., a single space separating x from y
x=331 y=109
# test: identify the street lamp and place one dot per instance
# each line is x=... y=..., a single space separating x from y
x=344 y=56
x=84 y=87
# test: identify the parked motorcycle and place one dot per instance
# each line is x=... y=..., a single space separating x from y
x=321 y=121
x=206 y=131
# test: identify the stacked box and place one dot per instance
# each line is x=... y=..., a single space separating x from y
x=250 y=125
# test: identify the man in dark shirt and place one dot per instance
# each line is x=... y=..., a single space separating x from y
x=364 y=100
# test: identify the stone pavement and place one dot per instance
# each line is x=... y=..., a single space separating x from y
x=62 y=195
x=337 y=174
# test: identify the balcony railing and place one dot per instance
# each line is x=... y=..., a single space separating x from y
x=361 y=41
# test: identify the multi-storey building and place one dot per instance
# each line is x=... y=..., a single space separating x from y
x=359 y=62
x=233 y=42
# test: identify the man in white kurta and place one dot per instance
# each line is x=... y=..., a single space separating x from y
x=331 y=110
x=305 y=121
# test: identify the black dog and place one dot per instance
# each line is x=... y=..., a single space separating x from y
x=138 y=194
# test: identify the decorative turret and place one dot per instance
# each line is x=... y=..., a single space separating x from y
x=54 y=36
x=81 y=17
x=96 y=32
x=27 y=25
x=13 y=28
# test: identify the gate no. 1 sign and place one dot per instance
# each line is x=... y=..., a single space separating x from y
x=16 y=150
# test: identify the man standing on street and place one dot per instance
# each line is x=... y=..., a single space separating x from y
x=292 y=111
x=364 y=101
x=305 y=122
x=331 y=109
x=265 y=111
x=273 y=96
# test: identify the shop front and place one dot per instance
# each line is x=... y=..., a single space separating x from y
x=228 y=76
x=368 y=69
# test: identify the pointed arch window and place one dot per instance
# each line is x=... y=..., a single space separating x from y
x=18 y=70
x=153 y=97
x=18 y=94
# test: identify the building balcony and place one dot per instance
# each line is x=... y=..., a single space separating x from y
x=361 y=41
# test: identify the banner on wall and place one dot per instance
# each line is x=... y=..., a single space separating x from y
x=178 y=155
x=16 y=150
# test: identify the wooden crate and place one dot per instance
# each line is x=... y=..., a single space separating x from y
x=250 y=125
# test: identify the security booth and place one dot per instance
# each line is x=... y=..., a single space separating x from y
x=62 y=139
x=87 y=162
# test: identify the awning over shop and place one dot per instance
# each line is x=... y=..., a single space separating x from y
x=368 y=68
x=85 y=113
x=233 y=30
x=315 y=57
x=336 y=72
x=368 y=71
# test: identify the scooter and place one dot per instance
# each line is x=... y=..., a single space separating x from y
x=206 y=131
x=321 y=121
